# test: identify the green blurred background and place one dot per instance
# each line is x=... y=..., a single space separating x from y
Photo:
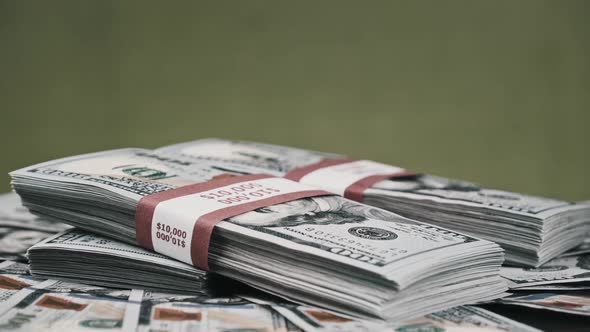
x=496 y=92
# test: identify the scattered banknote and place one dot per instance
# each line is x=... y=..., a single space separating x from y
x=171 y=313
x=531 y=229
x=51 y=305
x=583 y=248
x=19 y=229
x=15 y=276
x=329 y=251
x=576 y=303
x=41 y=304
x=44 y=310
x=463 y=318
x=565 y=271
x=84 y=257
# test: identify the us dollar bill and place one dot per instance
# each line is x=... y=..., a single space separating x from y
x=357 y=256
x=14 y=215
x=162 y=312
x=460 y=318
x=253 y=156
x=531 y=229
x=583 y=248
x=104 y=261
x=559 y=271
x=463 y=318
x=19 y=229
x=42 y=309
x=15 y=276
x=575 y=303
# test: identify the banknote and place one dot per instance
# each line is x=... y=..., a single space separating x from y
x=15 y=276
x=576 y=303
x=171 y=313
x=19 y=229
x=98 y=260
x=51 y=305
x=254 y=156
x=583 y=248
x=463 y=318
x=531 y=229
x=14 y=215
x=562 y=270
x=557 y=287
x=328 y=250
x=43 y=310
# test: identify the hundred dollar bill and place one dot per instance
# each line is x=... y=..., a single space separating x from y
x=19 y=229
x=463 y=318
x=99 y=260
x=44 y=310
x=327 y=250
x=170 y=313
x=559 y=271
x=576 y=303
x=14 y=215
x=583 y=248
x=15 y=276
x=531 y=229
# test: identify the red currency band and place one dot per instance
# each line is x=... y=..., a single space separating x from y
x=204 y=225
x=297 y=173
x=354 y=191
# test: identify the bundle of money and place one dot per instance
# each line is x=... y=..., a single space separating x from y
x=20 y=229
x=83 y=257
x=531 y=229
x=321 y=249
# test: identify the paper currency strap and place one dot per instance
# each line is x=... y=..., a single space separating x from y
x=178 y=223
x=346 y=177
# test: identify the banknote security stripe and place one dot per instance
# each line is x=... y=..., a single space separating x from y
x=178 y=223
x=346 y=177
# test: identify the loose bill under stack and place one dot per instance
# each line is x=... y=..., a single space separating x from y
x=321 y=249
x=531 y=229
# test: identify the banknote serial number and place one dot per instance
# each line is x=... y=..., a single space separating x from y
x=240 y=193
x=171 y=234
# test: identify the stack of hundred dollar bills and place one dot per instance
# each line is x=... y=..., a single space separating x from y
x=83 y=257
x=531 y=229
x=326 y=251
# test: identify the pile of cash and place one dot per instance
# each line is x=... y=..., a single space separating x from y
x=49 y=305
x=531 y=229
x=324 y=250
x=312 y=242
